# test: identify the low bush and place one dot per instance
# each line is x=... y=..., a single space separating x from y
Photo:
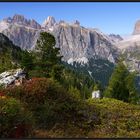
x=59 y=113
x=15 y=120
x=52 y=104
x=118 y=119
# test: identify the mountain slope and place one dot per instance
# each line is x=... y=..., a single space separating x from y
x=9 y=54
x=137 y=28
x=130 y=49
x=99 y=70
x=78 y=43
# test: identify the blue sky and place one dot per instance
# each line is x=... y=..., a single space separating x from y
x=109 y=17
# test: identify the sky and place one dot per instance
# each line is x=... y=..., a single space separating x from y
x=109 y=17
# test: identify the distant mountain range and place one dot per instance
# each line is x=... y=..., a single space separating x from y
x=86 y=48
x=76 y=42
x=130 y=48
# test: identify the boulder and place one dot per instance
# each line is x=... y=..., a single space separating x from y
x=9 y=77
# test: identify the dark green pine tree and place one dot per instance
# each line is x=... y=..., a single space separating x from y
x=130 y=84
x=117 y=88
x=121 y=85
x=48 y=56
x=26 y=60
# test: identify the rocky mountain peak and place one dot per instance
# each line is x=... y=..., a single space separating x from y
x=137 y=28
x=7 y=20
x=61 y=21
x=34 y=24
x=18 y=18
x=49 y=22
x=76 y=43
x=115 y=38
x=21 y=20
x=77 y=23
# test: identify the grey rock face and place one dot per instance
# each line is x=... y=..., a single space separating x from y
x=8 y=77
x=49 y=22
x=137 y=28
x=22 y=36
x=21 y=20
x=76 y=43
x=77 y=23
x=130 y=49
x=115 y=38
x=132 y=57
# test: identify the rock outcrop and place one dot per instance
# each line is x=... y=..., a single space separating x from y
x=115 y=38
x=49 y=22
x=77 y=42
x=137 y=28
x=9 y=77
x=21 y=20
x=130 y=49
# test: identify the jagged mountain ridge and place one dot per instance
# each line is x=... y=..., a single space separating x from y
x=137 y=28
x=76 y=43
x=130 y=50
x=86 y=49
x=115 y=38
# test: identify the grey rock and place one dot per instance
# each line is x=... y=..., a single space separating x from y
x=130 y=50
x=49 y=22
x=22 y=36
x=137 y=28
x=21 y=20
x=75 y=42
x=115 y=38
x=8 y=77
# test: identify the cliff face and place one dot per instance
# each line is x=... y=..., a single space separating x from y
x=130 y=49
x=137 y=28
x=115 y=38
x=76 y=42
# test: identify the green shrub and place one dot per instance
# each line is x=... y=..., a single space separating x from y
x=118 y=119
x=15 y=120
x=51 y=103
x=53 y=106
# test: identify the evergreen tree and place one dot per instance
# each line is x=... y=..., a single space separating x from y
x=74 y=79
x=26 y=60
x=121 y=84
x=130 y=84
x=48 y=58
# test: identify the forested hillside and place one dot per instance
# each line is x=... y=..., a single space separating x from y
x=54 y=99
